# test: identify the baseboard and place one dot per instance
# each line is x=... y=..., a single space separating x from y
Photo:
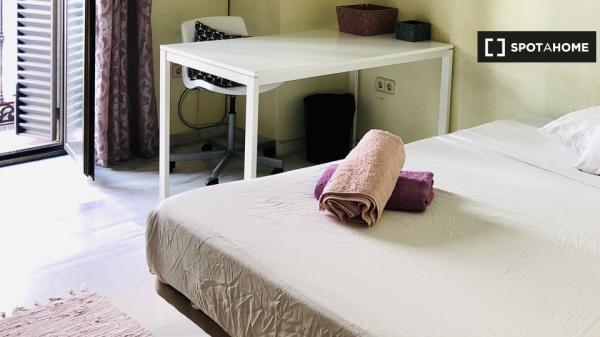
x=197 y=136
x=290 y=146
x=220 y=133
x=282 y=147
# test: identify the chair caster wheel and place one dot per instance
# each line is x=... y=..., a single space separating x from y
x=270 y=152
x=207 y=147
x=277 y=171
x=212 y=181
x=172 y=166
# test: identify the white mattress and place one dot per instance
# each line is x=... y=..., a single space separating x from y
x=506 y=249
x=519 y=139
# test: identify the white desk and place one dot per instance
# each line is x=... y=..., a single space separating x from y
x=271 y=59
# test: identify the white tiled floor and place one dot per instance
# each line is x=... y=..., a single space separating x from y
x=60 y=231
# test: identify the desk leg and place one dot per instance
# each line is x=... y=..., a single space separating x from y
x=353 y=88
x=165 y=127
x=445 y=93
x=251 y=130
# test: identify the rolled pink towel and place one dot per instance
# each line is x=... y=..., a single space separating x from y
x=413 y=191
x=363 y=182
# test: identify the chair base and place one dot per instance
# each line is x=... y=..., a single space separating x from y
x=230 y=153
x=227 y=156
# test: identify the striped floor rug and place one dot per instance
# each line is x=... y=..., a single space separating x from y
x=85 y=314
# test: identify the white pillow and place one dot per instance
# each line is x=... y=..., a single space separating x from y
x=590 y=159
x=576 y=129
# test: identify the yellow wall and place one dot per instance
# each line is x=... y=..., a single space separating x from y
x=262 y=18
x=302 y=15
x=483 y=92
x=167 y=17
x=281 y=111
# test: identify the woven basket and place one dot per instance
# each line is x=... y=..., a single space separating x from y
x=367 y=20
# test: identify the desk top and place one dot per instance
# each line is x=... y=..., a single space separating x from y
x=292 y=56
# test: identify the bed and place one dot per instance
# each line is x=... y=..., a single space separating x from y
x=509 y=247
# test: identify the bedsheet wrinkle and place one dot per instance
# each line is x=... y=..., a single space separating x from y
x=506 y=249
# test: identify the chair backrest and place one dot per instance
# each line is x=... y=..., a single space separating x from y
x=227 y=24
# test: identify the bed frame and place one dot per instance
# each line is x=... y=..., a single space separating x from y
x=184 y=306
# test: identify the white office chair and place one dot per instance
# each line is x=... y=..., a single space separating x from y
x=230 y=25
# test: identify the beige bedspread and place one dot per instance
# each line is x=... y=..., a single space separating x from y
x=506 y=249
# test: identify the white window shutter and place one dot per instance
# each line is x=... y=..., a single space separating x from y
x=36 y=106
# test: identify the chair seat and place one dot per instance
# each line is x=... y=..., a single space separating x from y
x=235 y=91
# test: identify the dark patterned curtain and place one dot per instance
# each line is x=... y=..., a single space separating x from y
x=126 y=118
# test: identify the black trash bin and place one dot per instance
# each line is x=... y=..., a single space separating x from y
x=329 y=120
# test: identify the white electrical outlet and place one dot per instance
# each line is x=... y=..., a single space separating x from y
x=390 y=87
x=380 y=84
x=176 y=70
x=385 y=85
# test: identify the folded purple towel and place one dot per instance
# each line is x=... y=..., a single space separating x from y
x=413 y=191
x=324 y=180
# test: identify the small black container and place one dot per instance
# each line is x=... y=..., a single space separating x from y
x=329 y=122
x=413 y=31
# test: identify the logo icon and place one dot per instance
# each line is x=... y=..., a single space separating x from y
x=488 y=43
x=537 y=46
